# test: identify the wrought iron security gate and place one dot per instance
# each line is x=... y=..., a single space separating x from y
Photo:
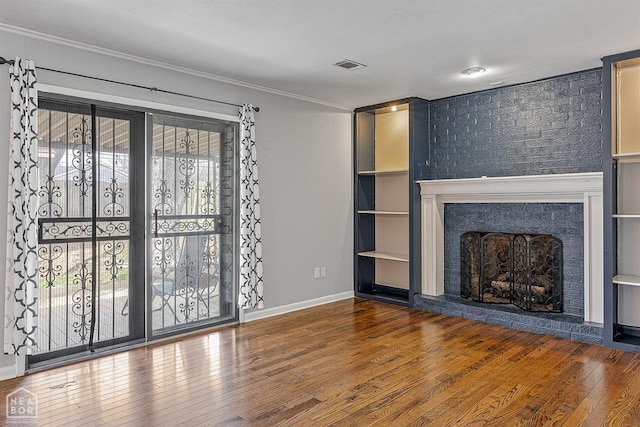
x=100 y=249
x=90 y=229
x=192 y=199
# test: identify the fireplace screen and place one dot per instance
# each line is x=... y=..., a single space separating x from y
x=505 y=268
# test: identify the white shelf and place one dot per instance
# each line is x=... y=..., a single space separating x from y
x=625 y=155
x=384 y=172
x=391 y=256
x=626 y=215
x=624 y=279
x=384 y=212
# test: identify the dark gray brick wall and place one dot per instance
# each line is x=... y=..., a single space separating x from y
x=544 y=127
x=562 y=220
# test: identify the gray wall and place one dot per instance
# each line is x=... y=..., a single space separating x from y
x=304 y=154
x=544 y=127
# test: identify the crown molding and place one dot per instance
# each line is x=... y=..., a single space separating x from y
x=159 y=64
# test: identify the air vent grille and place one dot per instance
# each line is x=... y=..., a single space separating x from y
x=350 y=65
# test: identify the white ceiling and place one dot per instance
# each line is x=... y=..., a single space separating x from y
x=410 y=47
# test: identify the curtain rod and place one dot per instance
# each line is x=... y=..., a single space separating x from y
x=152 y=89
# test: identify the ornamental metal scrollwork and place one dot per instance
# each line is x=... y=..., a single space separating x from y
x=210 y=254
x=48 y=270
x=196 y=225
x=163 y=195
x=113 y=228
x=113 y=265
x=82 y=301
x=48 y=191
x=114 y=192
x=209 y=194
x=187 y=287
x=186 y=165
x=163 y=258
x=82 y=157
x=68 y=230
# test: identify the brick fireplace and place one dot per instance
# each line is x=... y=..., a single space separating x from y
x=517 y=204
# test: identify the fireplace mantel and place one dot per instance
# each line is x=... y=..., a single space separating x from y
x=585 y=188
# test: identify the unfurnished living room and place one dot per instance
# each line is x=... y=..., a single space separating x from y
x=313 y=213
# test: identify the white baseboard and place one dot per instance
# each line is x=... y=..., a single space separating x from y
x=269 y=312
x=8 y=372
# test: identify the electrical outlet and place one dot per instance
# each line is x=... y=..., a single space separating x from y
x=316 y=273
x=323 y=271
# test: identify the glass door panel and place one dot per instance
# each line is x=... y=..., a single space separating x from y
x=85 y=229
x=192 y=183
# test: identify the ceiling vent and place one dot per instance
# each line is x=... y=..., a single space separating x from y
x=350 y=65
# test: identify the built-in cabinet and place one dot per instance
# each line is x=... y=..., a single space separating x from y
x=621 y=157
x=391 y=140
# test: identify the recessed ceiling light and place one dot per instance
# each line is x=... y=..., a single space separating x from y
x=394 y=108
x=473 y=71
x=496 y=83
x=350 y=65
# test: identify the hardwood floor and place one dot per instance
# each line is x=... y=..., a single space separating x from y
x=349 y=363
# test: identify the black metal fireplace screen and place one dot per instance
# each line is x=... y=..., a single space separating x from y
x=505 y=268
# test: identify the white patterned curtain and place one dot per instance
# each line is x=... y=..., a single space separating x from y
x=21 y=284
x=251 y=284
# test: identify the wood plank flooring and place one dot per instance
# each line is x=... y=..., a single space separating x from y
x=349 y=363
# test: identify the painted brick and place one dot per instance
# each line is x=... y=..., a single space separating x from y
x=544 y=127
x=562 y=220
x=543 y=323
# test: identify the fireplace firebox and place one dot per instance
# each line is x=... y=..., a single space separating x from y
x=524 y=270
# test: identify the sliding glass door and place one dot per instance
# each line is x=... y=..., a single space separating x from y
x=90 y=229
x=136 y=231
x=192 y=175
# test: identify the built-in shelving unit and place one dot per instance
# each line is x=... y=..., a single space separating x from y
x=621 y=79
x=386 y=153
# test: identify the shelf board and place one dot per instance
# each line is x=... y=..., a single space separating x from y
x=625 y=279
x=628 y=342
x=383 y=172
x=385 y=297
x=625 y=155
x=626 y=215
x=391 y=256
x=374 y=212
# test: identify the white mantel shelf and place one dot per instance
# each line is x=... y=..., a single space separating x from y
x=585 y=188
x=559 y=188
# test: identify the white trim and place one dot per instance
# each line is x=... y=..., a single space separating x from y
x=557 y=188
x=8 y=372
x=15 y=370
x=159 y=64
x=132 y=102
x=585 y=188
x=275 y=311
